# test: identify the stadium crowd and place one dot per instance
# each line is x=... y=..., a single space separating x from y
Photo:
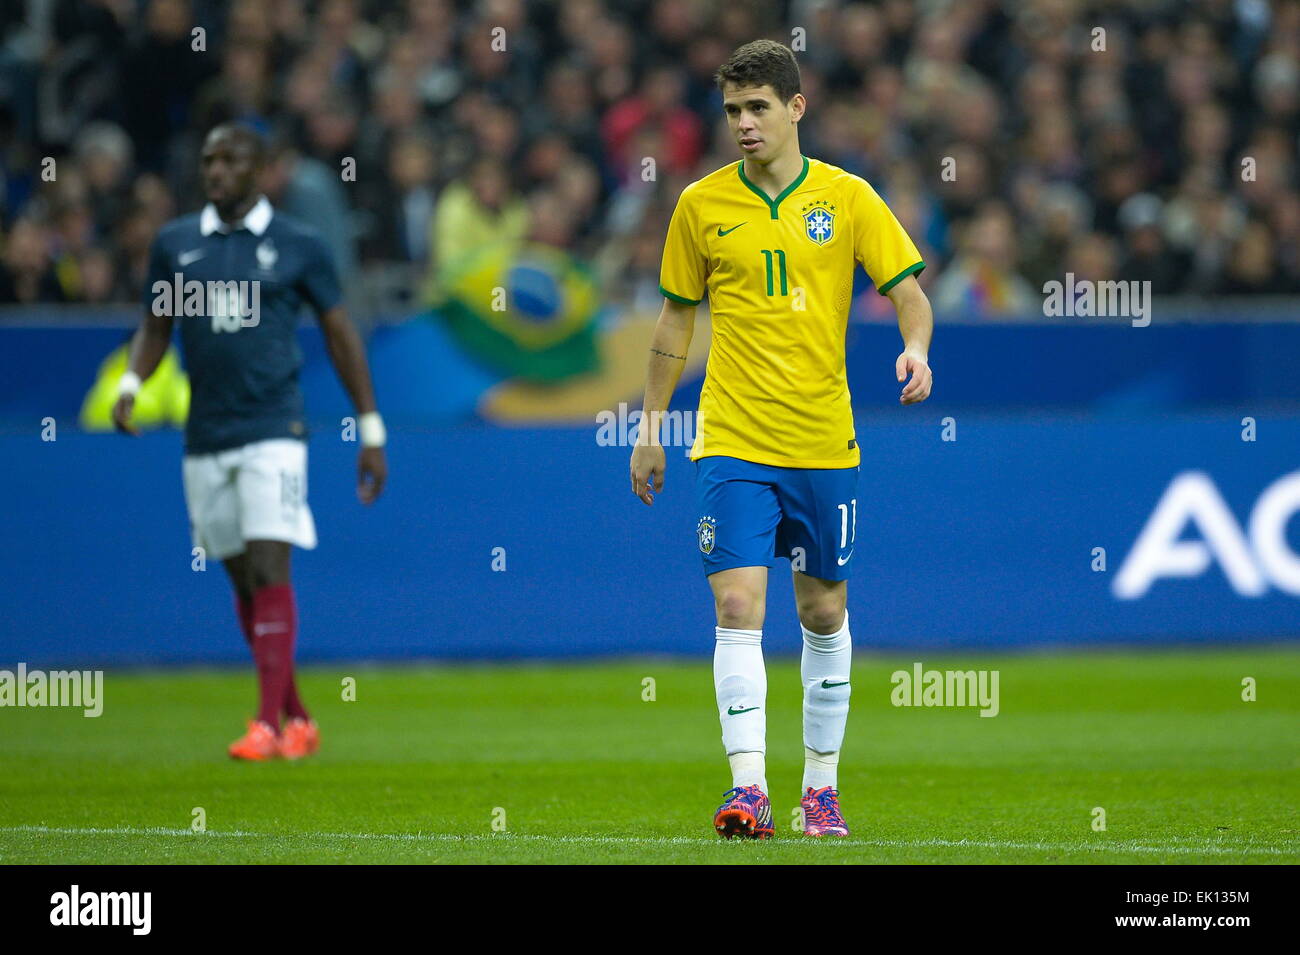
x=1016 y=141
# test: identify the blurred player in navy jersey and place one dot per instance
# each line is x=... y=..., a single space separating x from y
x=236 y=276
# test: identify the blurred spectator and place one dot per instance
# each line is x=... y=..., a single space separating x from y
x=161 y=73
x=309 y=190
x=27 y=276
x=133 y=236
x=98 y=279
x=480 y=210
x=402 y=202
x=104 y=158
x=1059 y=212
x=1092 y=258
x=982 y=280
x=71 y=237
x=550 y=220
x=1252 y=265
x=658 y=104
x=242 y=91
x=1149 y=257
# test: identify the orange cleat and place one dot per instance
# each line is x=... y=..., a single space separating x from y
x=301 y=738
x=259 y=743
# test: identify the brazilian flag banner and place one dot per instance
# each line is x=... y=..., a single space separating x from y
x=527 y=310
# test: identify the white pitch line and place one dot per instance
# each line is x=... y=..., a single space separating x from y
x=668 y=840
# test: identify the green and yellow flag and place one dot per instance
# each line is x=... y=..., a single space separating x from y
x=527 y=310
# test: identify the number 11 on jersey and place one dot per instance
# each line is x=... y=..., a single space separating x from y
x=780 y=258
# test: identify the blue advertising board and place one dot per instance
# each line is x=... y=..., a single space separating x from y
x=973 y=531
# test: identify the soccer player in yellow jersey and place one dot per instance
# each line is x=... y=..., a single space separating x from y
x=774 y=240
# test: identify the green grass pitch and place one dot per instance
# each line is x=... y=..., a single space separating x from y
x=579 y=768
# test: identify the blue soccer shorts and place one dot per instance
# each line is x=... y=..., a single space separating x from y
x=751 y=514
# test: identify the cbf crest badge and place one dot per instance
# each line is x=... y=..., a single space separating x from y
x=819 y=221
x=706 y=530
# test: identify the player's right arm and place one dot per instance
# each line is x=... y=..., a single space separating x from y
x=148 y=346
x=668 y=349
x=150 y=342
x=682 y=279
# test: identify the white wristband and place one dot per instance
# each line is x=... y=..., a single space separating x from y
x=371 y=428
x=129 y=383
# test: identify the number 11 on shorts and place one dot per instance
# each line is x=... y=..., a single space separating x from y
x=848 y=528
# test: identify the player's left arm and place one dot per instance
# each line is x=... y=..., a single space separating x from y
x=349 y=357
x=916 y=325
x=892 y=260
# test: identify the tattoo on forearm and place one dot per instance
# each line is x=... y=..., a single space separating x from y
x=656 y=351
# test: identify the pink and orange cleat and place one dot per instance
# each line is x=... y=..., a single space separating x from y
x=745 y=812
x=300 y=738
x=258 y=744
x=821 y=813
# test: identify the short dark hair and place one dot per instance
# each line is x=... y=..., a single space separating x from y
x=762 y=63
x=244 y=134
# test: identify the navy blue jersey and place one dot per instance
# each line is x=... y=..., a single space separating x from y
x=236 y=296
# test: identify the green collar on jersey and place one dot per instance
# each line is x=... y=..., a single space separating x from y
x=772 y=204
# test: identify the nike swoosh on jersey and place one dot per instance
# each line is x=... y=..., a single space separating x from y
x=722 y=232
x=844 y=560
x=185 y=258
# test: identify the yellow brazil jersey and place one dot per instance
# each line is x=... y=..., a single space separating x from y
x=779 y=275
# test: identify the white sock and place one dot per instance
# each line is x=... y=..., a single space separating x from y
x=827 y=659
x=740 y=681
x=819 y=768
x=748 y=769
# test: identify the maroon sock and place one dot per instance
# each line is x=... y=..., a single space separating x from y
x=293 y=708
x=245 y=610
x=273 y=632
